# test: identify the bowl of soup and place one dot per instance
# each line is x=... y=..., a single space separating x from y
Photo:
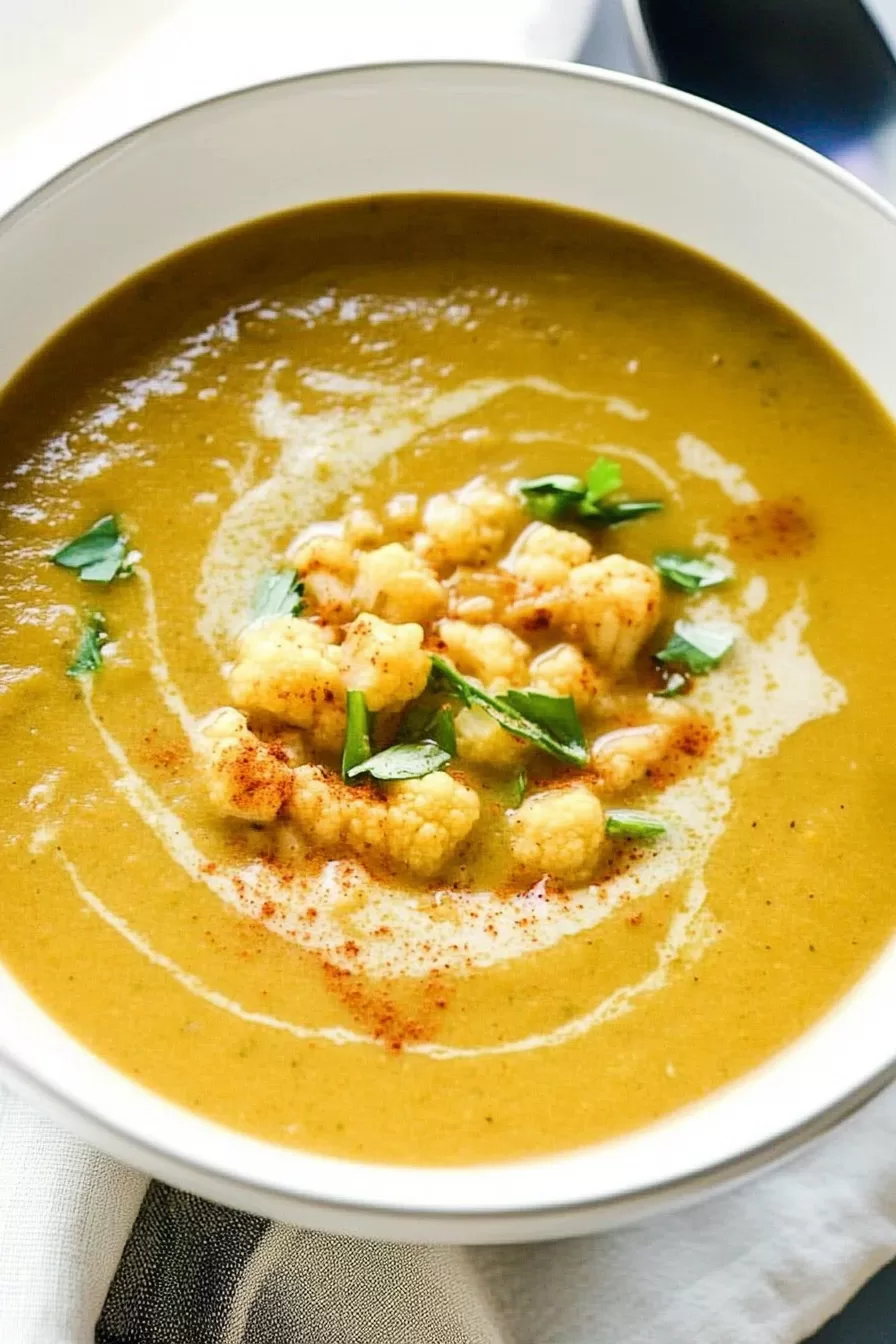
x=447 y=761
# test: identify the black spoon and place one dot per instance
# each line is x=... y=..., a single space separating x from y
x=820 y=70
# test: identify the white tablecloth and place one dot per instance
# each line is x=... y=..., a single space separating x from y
x=764 y=1265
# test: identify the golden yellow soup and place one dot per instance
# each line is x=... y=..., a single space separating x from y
x=466 y=690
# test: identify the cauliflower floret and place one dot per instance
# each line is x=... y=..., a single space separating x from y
x=327 y=566
x=403 y=515
x=558 y=833
x=622 y=757
x=386 y=662
x=564 y=670
x=419 y=825
x=546 y=554
x=396 y=584
x=466 y=528
x=427 y=819
x=287 y=668
x=244 y=778
x=615 y=606
x=484 y=742
x=331 y=813
x=490 y=652
x=361 y=528
x=479 y=595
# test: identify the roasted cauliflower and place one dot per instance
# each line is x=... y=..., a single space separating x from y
x=418 y=825
x=468 y=527
x=614 y=607
x=386 y=662
x=244 y=777
x=545 y=555
x=624 y=756
x=564 y=670
x=490 y=652
x=393 y=582
x=427 y=819
x=482 y=741
x=558 y=833
x=288 y=667
x=327 y=567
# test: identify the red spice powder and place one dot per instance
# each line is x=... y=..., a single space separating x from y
x=772 y=528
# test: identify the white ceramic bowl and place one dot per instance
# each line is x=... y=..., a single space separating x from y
x=801 y=229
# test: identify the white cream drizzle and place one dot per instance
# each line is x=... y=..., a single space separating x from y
x=700 y=459
x=774 y=684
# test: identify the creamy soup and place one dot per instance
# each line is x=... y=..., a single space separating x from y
x=440 y=679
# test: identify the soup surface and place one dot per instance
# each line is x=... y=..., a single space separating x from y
x=457 y=733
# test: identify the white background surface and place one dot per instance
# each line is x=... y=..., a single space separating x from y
x=78 y=73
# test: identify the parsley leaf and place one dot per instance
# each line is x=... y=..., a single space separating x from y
x=99 y=554
x=357 y=732
x=277 y=593
x=690 y=572
x=445 y=676
x=423 y=721
x=697 y=648
x=609 y=514
x=628 y=824
x=406 y=760
x=603 y=479
x=89 y=653
x=551 y=497
x=556 y=713
x=516 y=789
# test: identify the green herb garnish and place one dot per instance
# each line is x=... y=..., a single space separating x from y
x=277 y=593
x=444 y=675
x=99 y=554
x=424 y=722
x=357 y=732
x=516 y=789
x=697 y=648
x=690 y=572
x=604 y=478
x=89 y=653
x=550 y=498
x=556 y=713
x=628 y=824
x=609 y=514
x=676 y=684
x=441 y=730
x=406 y=760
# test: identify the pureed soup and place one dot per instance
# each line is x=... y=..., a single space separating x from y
x=449 y=725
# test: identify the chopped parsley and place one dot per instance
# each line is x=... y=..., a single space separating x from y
x=696 y=648
x=555 y=713
x=556 y=497
x=690 y=572
x=626 y=824
x=277 y=593
x=89 y=653
x=549 y=498
x=99 y=555
x=357 y=732
x=445 y=677
x=516 y=789
x=406 y=760
x=426 y=721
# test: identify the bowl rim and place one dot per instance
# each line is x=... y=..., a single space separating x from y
x=167 y=1158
